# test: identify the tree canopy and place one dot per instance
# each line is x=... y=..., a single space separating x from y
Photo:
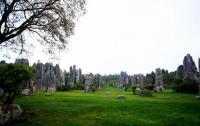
x=53 y=21
x=11 y=78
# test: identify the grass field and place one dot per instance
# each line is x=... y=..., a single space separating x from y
x=75 y=108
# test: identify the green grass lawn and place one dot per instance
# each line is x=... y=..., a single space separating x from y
x=74 y=108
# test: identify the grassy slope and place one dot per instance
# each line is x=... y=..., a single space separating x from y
x=78 y=109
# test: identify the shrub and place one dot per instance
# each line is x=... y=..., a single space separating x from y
x=79 y=87
x=145 y=93
x=149 y=86
x=137 y=91
x=11 y=78
x=187 y=86
x=62 y=88
x=93 y=88
x=133 y=89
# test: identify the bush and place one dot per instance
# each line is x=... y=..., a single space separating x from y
x=63 y=88
x=133 y=89
x=187 y=86
x=93 y=88
x=11 y=78
x=79 y=87
x=149 y=86
x=145 y=93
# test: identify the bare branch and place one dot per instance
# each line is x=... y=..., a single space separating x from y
x=51 y=20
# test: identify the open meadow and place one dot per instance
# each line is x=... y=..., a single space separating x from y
x=75 y=108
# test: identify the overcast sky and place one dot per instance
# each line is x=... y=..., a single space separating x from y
x=136 y=36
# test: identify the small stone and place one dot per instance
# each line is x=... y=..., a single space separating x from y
x=4 y=117
x=16 y=111
x=48 y=94
x=14 y=115
x=198 y=97
x=25 y=92
x=137 y=91
x=108 y=93
x=120 y=97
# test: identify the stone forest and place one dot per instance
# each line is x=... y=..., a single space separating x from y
x=99 y=63
x=49 y=78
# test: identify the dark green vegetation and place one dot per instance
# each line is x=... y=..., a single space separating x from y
x=185 y=86
x=11 y=77
x=74 y=108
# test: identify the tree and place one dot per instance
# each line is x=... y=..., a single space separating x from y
x=52 y=21
x=11 y=78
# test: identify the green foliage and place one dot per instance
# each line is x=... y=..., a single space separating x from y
x=149 y=86
x=133 y=89
x=185 y=86
x=68 y=88
x=67 y=78
x=93 y=88
x=145 y=93
x=110 y=80
x=150 y=78
x=178 y=80
x=11 y=78
x=62 y=88
x=168 y=78
x=79 y=86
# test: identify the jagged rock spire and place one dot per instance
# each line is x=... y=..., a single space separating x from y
x=159 y=84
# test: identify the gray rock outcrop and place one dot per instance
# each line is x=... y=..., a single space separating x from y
x=159 y=84
x=179 y=72
x=48 y=76
x=199 y=74
x=88 y=82
x=134 y=80
x=79 y=77
x=123 y=80
x=97 y=80
x=76 y=76
x=137 y=80
x=188 y=70
x=22 y=61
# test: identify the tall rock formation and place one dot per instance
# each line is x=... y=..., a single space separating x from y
x=48 y=76
x=179 y=72
x=123 y=80
x=140 y=81
x=135 y=80
x=199 y=74
x=159 y=85
x=76 y=76
x=22 y=61
x=79 y=78
x=188 y=70
x=89 y=79
x=39 y=80
x=97 y=80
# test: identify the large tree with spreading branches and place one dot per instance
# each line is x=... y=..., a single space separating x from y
x=52 y=21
